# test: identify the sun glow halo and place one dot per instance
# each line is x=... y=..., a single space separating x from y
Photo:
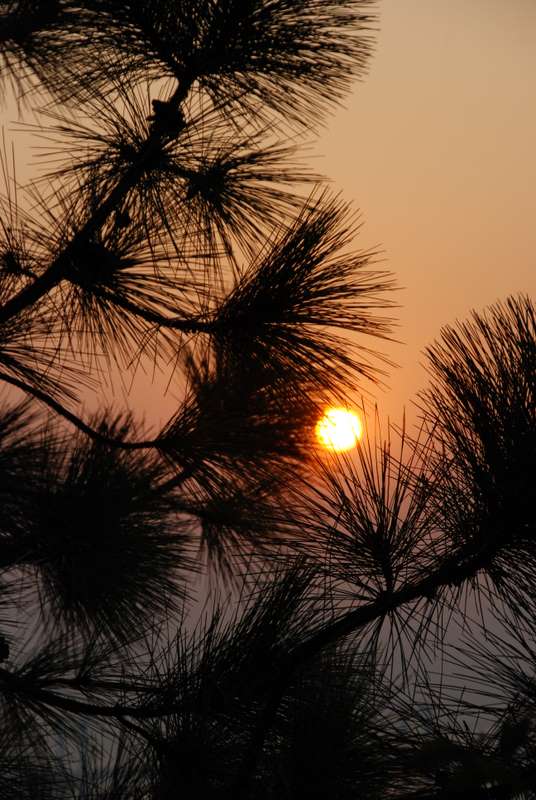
x=339 y=429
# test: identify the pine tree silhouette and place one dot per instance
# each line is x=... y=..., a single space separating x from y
x=369 y=629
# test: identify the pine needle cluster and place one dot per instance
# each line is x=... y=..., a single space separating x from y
x=217 y=606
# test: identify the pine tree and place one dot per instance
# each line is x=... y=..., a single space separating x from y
x=368 y=629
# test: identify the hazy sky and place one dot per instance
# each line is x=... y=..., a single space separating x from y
x=437 y=149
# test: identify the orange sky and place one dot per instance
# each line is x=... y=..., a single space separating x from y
x=437 y=149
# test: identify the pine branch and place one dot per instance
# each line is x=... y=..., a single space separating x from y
x=173 y=223
x=78 y=423
x=60 y=267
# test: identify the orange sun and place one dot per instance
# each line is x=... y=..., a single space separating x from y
x=339 y=429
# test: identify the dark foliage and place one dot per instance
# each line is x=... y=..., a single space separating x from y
x=482 y=401
x=220 y=607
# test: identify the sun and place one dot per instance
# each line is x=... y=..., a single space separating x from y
x=339 y=429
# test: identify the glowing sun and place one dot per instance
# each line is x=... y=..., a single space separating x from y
x=339 y=429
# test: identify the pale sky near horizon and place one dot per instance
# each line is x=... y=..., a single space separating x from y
x=436 y=149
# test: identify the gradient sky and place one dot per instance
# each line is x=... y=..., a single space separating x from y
x=437 y=149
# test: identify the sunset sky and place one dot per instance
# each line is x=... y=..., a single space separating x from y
x=437 y=149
